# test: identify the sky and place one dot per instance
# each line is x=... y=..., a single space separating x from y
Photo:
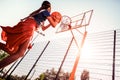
x=105 y=12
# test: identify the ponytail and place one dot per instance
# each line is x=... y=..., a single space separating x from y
x=45 y=5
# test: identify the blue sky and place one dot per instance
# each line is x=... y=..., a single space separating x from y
x=105 y=16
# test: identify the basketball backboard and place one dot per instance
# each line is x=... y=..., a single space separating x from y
x=74 y=22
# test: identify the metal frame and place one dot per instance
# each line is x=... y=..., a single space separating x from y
x=71 y=21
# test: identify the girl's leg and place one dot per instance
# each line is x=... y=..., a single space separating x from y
x=2 y=45
x=8 y=60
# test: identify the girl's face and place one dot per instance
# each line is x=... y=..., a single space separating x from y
x=49 y=9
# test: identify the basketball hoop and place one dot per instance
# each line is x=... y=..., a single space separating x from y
x=74 y=22
x=64 y=25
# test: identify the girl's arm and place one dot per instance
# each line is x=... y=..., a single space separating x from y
x=45 y=27
x=52 y=22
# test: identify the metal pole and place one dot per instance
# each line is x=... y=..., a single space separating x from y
x=77 y=58
x=9 y=70
x=75 y=40
x=64 y=58
x=36 y=61
x=19 y=62
x=114 y=48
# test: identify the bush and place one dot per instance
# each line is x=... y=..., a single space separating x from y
x=51 y=75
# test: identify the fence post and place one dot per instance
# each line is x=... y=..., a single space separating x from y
x=56 y=78
x=114 y=48
x=37 y=60
x=17 y=64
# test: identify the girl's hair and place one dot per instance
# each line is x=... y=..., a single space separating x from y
x=45 y=5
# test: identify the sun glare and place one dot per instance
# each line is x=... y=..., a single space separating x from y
x=86 y=51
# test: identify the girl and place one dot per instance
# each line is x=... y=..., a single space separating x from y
x=18 y=37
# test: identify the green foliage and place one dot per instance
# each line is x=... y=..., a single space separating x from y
x=47 y=75
x=85 y=75
x=12 y=77
x=2 y=79
x=51 y=75
x=3 y=54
